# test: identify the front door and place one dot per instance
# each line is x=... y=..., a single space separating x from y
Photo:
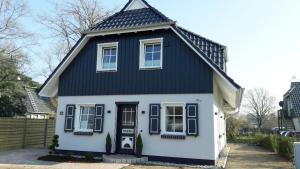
x=126 y=129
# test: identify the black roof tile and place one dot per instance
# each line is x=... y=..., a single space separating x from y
x=294 y=97
x=212 y=50
x=131 y=19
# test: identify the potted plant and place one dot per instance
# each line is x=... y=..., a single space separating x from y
x=139 y=146
x=108 y=144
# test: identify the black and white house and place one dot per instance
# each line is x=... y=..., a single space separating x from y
x=138 y=72
x=289 y=115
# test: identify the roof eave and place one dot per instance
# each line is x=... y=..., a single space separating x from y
x=131 y=29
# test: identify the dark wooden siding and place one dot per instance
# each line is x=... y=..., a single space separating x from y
x=183 y=71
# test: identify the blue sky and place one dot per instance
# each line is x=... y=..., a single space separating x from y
x=262 y=36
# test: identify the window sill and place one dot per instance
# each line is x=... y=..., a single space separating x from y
x=108 y=70
x=83 y=133
x=173 y=136
x=150 y=68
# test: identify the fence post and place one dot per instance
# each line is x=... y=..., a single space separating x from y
x=24 y=132
x=45 y=133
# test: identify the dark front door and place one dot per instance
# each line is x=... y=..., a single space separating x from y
x=126 y=129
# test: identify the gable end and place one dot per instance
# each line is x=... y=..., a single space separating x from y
x=135 y=4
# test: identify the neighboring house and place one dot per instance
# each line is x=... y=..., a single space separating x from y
x=289 y=115
x=37 y=107
x=138 y=72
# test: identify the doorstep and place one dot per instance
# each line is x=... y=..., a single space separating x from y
x=126 y=159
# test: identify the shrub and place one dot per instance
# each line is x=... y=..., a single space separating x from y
x=286 y=147
x=108 y=139
x=139 y=141
x=258 y=138
x=54 y=145
x=270 y=142
x=89 y=156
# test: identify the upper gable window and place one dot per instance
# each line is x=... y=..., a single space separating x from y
x=107 y=58
x=151 y=53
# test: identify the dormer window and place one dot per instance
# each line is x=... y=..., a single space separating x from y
x=151 y=53
x=107 y=57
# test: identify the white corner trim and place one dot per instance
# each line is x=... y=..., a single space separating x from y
x=136 y=4
x=99 y=62
x=142 y=58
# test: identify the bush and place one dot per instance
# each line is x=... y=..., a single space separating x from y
x=54 y=145
x=139 y=141
x=89 y=157
x=270 y=142
x=258 y=139
x=108 y=139
x=286 y=147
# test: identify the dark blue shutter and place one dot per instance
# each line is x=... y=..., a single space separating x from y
x=154 y=119
x=99 y=118
x=192 y=127
x=69 y=118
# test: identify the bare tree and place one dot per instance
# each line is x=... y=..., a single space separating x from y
x=12 y=32
x=260 y=105
x=66 y=23
x=72 y=17
x=11 y=11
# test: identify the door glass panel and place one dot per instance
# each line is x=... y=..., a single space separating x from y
x=128 y=117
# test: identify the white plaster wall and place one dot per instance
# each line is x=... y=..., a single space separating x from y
x=201 y=147
x=296 y=122
x=219 y=122
x=297 y=154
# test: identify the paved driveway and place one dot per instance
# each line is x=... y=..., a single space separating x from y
x=27 y=159
x=243 y=156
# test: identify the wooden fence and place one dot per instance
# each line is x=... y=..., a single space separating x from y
x=16 y=133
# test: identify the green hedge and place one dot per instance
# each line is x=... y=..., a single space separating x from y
x=286 y=147
x=270 y=142
x=282 y=145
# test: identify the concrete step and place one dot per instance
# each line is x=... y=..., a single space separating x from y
x=127 y=159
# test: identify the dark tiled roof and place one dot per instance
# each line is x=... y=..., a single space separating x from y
x=212 y=50
x=193 y=39
x=132 y=19
x=294 y=97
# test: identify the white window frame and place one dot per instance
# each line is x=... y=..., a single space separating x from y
x=77 y=118
x=99 y=65
x=163 y=119
x=142 y=57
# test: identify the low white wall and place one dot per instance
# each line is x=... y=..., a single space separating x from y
x=201 y=147
x=296 y=122
x=297 y=154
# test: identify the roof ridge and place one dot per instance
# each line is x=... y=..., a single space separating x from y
x=200 y=36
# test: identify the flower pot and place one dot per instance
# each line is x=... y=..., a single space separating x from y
x=108 y=149
x=138 y=152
